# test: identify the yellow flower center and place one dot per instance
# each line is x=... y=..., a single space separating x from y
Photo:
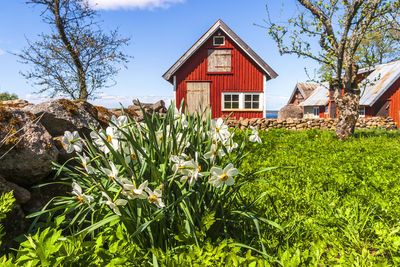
x=83 y=165
x=109 y=138
x=160 y=138
x=224 y=177
x=133 y=156
x=80 y=199
x=112 y=178
x=217 y=129
x=199 y=168
x=215 y=153
x=153 y=198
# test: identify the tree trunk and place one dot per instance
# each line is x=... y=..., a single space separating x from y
x=74 y=53
x=348 y=109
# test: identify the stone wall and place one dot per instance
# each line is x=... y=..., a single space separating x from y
x=303 y=124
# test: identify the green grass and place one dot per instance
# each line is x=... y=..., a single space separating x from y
x=338 y=202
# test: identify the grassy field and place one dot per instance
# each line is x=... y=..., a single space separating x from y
x=329 y=203
x=338 y=202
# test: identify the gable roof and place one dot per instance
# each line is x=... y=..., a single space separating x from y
x=319 y=97
x=379 y=81
x=305 y=90
x=222 y=26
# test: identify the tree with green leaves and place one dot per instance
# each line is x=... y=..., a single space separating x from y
x=335 y=33
x=77 y=58
x=7 y=96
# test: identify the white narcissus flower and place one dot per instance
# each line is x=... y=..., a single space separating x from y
x=229 y=144
x=155 y=197
x=72 y=142
x=132 y=192
x=77 y=191
x=191 y=171
x=111 y=136
x=214 y=153
x=113 y=205
x=113 y=173
x=130 y=155
x=179 y=160
x=254 y=137
x=119 y=122
x=159 y=137
x=180 y=118
x=219 y=131
x=220 y=176
x=85 y=162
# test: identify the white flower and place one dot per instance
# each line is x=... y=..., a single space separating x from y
x=191 y=171
x=132 y=192
x=155 y=197
x=113 y=173
x=113 y=205
x=219 y=176
x=85 y=160
x=229 y=143
x=254 y=137
x=119 y=122
x=130 y=155
x=179 y=160
x=111 y=136
x=72 y=141
x=77 y=191
x=219 y=131
x=160 y=137
x=214 y=153
x=180 y=118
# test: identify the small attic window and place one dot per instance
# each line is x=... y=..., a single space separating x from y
x=219 y=40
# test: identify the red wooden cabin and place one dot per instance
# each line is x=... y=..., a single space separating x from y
x=380 y=95
x=222 y=72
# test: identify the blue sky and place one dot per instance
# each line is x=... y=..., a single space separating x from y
x=161 y=31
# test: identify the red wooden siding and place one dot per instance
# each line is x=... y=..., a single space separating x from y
x=246 y=76
x=393 y=96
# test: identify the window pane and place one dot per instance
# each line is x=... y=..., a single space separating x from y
x=227 y=105
x=235 y=104
x=256 y=98
x=235 y=97
x=247 y=97
x=255 y=105
x=227 y=97
x=247 y=104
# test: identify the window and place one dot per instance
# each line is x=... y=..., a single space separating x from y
x=362 y=111
x=316 y=111
x=219 y=40
x=326 y=109
x=219 y=60
x=251 y=101
x=242 y=101
x=231 y=101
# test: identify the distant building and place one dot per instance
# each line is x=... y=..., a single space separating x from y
x=380 y=95
x=221 y=71
x=301 y=92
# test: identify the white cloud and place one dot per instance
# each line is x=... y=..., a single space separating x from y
x=132 y=4
x=2 y=52
x=276 y=102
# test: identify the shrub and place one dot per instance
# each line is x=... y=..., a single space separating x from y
x=7 y=96
x=171 y=180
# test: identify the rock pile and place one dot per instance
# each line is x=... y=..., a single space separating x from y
x=303 y=124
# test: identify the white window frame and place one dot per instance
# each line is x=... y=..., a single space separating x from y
x=218 y=36
x=241 y=101
x=362 y=112
x=326 y=109
x=316 y=109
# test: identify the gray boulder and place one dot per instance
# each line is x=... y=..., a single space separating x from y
x=26 y=148
x=21 y=195
x=61 y=115
x=290 y=111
